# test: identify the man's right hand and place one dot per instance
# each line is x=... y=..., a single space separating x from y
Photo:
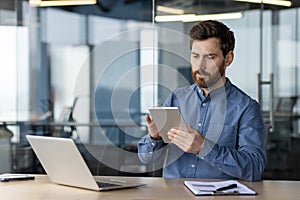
x=152 y=129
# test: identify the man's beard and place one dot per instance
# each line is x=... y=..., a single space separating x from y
x=212 y=78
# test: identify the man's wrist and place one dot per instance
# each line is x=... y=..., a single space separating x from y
x=155 y=138
x=206 y=148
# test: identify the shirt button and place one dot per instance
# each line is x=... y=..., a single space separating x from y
x=153 y=144
x=203 y=104
x=193 y=166
x=199 y=124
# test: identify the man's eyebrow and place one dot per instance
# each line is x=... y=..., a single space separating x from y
x=207 y=54
x=210 y=54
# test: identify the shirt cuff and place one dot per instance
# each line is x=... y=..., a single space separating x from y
x=154 y=142
x=209 y=149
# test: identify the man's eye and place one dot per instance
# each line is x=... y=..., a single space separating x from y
x=210 y=57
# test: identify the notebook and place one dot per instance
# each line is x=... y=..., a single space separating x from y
x=64 y=165
x=228 y=187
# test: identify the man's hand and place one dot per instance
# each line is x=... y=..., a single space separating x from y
x=152 y=129
x=191 y=141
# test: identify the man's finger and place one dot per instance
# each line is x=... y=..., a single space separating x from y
x=180 y=142
x=148 y=119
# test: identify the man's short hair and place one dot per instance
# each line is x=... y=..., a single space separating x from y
x=213 y=29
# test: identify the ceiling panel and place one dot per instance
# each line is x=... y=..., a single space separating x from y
x=216 y=6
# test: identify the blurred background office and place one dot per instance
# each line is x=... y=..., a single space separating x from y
x=90 y=69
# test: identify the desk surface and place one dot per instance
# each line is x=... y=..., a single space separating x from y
x=157 y=188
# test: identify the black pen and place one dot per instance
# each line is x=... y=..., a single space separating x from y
x=234 y=185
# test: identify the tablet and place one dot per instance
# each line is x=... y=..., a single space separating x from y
x=166 y=118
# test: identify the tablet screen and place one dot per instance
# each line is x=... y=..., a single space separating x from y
x=166 y=118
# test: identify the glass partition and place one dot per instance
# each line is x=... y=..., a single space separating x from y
x=265 y=66
x=90 y=72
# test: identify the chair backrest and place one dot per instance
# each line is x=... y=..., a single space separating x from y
x=286 y=104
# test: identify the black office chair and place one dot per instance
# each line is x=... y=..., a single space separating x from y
x=286 y=104
x=278 y=142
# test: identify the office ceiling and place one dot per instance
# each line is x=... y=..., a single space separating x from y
x=215 y=6
x=204 y=6
x=7 y=4
x=124 y=9
x=142 y=9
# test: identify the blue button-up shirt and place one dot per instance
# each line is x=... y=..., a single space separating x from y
x=233 y=128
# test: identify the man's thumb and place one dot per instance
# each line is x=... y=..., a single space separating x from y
x=190 y=128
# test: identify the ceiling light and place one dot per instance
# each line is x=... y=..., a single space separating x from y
x=272 y=2
x=173 y=18
x=193 y=17
x=219 y=16
x=169 y=10
x=45 y=3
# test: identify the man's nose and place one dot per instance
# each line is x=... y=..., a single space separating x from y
x=200 y=64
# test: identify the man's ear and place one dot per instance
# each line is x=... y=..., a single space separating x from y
x=229 y=58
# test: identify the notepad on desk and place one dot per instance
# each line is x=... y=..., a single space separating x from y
x=230 y=187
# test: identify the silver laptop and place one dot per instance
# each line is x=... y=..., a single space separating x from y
x=64 y=165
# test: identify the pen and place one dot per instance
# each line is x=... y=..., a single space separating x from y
x=226 y=193
x=227 y=187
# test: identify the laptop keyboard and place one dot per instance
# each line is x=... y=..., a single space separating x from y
x=103 y=184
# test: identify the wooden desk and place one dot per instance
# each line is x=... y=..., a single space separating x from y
x=157 y=188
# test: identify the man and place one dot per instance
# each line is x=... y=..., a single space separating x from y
x=226 y=138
